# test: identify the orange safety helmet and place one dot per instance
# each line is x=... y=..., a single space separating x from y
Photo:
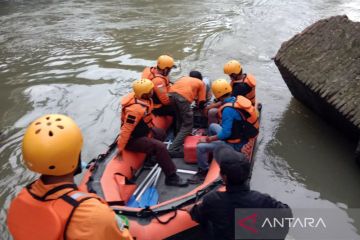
x=142 y=86
x=52 y=145
x=220 y=87
x=165 y=61
x=232 y=67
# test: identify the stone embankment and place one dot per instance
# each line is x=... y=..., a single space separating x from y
x=321 y=67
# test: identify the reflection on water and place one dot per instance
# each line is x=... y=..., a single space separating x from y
x=311 y=165
x=78 y=58
x=310 y=145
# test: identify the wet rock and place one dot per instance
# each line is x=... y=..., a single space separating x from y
x=321 y=67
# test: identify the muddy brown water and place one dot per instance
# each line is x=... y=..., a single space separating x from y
x=79 y=57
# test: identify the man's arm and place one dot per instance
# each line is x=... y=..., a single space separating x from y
x=228 y=117
x=210 y=106
x=201 y=93
x=131 y=120
x=198 y=212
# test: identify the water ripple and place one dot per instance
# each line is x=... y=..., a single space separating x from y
x=79 y=57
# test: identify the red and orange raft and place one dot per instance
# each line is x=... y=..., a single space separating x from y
x=113 y=179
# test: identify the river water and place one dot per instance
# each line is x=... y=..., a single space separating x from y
x=79 y=57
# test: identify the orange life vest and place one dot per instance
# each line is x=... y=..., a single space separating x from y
x=136 y=119
x=33 y=217
x=251 y=82
x=248 y=127
x=151 y=73
x=141 y=107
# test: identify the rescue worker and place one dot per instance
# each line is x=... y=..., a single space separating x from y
x=242 y=84
x=52 y=207
x=183 y=93
x=159 y=75
x=218 y=208
x=239 y=122
x=138 y=133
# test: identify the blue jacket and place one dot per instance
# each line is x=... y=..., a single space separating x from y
x=228 y=116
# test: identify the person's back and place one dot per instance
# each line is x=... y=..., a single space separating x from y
x=138 y=134
x=245 y=87
x=239 y=120
x=218 y=208
x=190 y=88
x=91 y=217
x=182 y=93
x=136 y=118
x=242 y=84
x=52 y=207
x=161 y=82
x=159 y=75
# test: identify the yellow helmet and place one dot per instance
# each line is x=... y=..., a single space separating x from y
x=52 y=145
x=232 y=67
x=165 y=61
x=220 y=87
x=142 y=86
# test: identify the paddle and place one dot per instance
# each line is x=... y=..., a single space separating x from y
x=151 y=195
x=146 y=179
x=133 y=201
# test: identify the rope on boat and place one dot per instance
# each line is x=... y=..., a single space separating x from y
x=148 y=211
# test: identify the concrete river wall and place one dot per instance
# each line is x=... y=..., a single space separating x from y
x=321 y=67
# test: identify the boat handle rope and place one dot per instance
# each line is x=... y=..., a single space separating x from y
x=95 y=161
x=149 y=211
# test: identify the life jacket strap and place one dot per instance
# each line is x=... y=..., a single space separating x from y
x=73 y=187
x=72 y=200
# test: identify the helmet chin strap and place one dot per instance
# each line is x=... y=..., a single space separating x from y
x=79 y=167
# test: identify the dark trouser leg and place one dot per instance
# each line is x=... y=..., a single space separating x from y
x=177 y=117
x=158 y=134
x=186 y=122
x=154 y=147
x=166 y=110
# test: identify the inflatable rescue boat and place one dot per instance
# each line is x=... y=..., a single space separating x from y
x=117 y=181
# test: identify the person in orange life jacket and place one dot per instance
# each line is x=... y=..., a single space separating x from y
x=182 y=93
x=52 y=207
x=159 y=75
x=239 y=122
x=216 y=213
x=242 y=84
x=137 y=129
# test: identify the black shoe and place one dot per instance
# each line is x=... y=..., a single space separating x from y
x=176 y=154
x=198 y=178
x=175 y=180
